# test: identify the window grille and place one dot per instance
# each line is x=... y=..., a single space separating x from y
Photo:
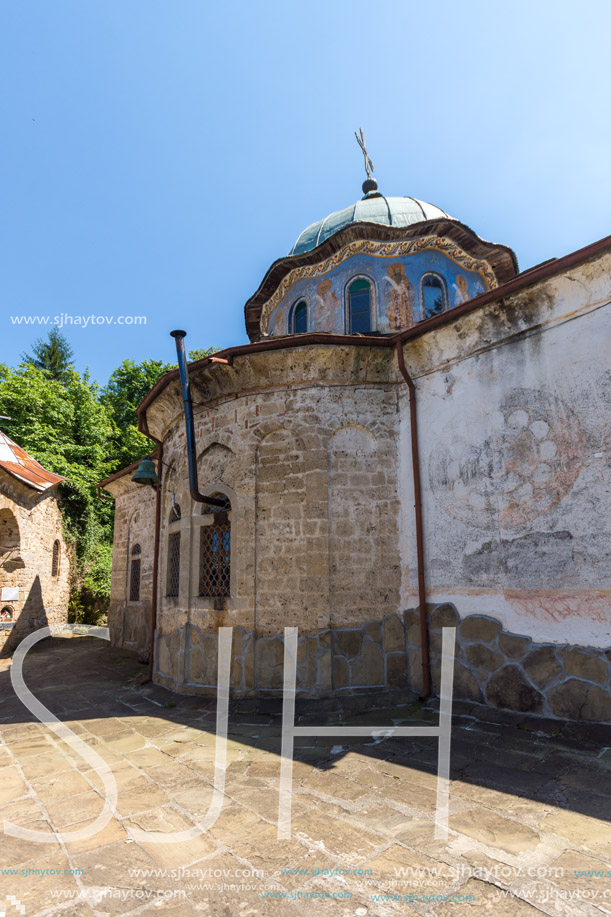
x=134 y=579
x=173 y=563
x=55 y=559
x=214 y=559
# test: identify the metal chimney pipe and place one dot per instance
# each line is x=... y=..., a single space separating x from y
x=179 y=337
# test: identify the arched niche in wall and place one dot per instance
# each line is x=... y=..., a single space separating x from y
x=212 y=464
x=280 y=540
x=355 y=568
x=172 y=490
x=10 y=542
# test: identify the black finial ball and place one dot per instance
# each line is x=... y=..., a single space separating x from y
x=369 y=185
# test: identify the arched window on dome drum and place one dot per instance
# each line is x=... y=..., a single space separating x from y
x=215 y=551
x=434 y=298
x=134 y=574
x=300 y=317
x=359 y=307
x=55 y=559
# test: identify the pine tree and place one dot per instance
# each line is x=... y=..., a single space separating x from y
x=53 y=356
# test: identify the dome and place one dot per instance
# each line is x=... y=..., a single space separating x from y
x=373 y=208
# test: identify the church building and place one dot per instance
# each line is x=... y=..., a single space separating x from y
x=416 y=436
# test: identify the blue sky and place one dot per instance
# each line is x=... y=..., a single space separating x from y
x=157 y=157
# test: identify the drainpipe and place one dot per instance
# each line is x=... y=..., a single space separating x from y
x=179 y=337
x=413 y=418
x=149 y=675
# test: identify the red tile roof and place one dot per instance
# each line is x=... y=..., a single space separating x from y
x=22 y=466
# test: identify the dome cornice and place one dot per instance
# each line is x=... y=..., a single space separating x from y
x=500 y=258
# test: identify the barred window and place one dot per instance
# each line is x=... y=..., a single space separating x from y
x=55 y=559
x=215 y=551
x=173 y=563
x=134 y=574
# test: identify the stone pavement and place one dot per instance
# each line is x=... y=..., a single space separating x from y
x=529 y=809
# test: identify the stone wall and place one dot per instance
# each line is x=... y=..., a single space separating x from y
x=129 y=621
x=492 y=666
x=513 y=402
x=30 y=524
x=512 y=671
x=339 y=661
x=304 y=445
x=312 y=446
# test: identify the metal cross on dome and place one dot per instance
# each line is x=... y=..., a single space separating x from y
x=360 y=139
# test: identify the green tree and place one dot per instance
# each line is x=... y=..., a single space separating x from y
x=68 y=430
x=126 y=388
x=54 y=356
x=85 y=434
x=202 y=352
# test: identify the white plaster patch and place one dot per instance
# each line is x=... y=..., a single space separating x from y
x=518 y=419
x=548 y=449
x=539 y=428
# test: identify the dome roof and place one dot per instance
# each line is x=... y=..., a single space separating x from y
x=373 y=208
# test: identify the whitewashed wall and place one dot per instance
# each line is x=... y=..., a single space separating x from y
x=514 y=420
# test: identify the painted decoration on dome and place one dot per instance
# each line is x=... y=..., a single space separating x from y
x=400 y=297
x=327 y=308
x=405 y=288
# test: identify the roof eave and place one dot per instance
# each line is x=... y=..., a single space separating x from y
x=527 y=278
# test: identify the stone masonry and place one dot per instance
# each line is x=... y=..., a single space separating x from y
x=513 y=672
x=30 y=525
x=310 y=442
x=129 y=620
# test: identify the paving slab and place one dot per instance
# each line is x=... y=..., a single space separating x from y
x=525 y=794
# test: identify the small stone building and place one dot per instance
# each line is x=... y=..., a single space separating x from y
x=308 y=436
x=130 y=609
x=34 y=561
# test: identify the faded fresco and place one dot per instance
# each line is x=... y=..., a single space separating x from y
x=396 y=286
x=525 y=462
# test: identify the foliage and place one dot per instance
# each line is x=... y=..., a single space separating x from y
x=66 y=428
x=126 y=388
x=202 y=352
x=54 y=356
x=85 y=434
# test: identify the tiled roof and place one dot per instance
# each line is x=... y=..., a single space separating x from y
x=22 y=466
